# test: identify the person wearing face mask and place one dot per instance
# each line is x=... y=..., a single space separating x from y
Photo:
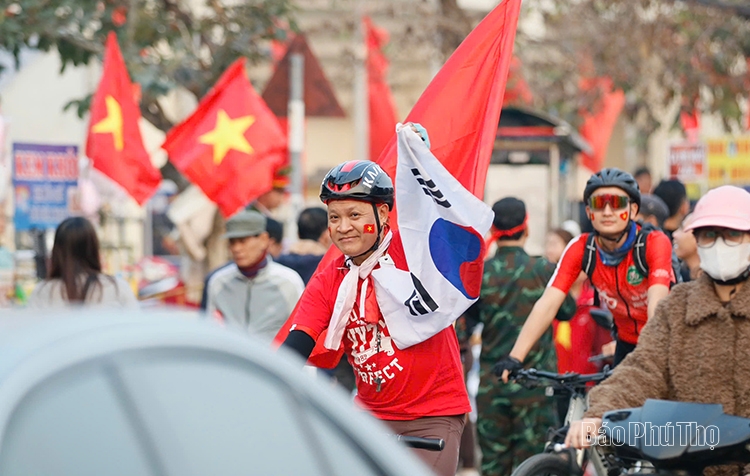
x=696 y=348
x=629 y=267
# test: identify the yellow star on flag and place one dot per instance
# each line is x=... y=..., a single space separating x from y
x=228 y=134
x=112 y=124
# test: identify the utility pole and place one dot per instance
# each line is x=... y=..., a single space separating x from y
x=361 y=103
x=296 y=115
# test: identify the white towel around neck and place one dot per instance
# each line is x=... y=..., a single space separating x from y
x=347 y=294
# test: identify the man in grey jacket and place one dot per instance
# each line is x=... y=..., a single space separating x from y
x=253 y=291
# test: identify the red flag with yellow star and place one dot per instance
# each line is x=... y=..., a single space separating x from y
x=231 y=145
x=114 y=142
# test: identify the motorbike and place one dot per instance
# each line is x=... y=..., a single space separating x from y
x=676 y=438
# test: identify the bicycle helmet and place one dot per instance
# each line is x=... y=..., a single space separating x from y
x=613 y=177
x=358 y=180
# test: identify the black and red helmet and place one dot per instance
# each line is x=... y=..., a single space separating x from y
x=358 y=180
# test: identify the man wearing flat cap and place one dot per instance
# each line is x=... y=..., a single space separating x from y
x=253 y=291
x=512 y=421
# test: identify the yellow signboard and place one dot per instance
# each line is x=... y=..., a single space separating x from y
x=728 y=161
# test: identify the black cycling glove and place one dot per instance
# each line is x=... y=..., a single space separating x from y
x=511 y=364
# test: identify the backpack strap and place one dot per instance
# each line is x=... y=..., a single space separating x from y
x=589 y=256
x=588 y=264
x=639 y=254
x=639 y=248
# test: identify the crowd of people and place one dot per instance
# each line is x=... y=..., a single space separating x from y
x=672 y=280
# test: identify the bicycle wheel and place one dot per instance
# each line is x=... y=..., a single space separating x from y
x=545 y=464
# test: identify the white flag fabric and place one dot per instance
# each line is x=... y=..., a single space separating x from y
x=442 y=226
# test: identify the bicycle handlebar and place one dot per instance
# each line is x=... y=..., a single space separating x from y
x=601 y=357
x=430 y=444
x=567 y=378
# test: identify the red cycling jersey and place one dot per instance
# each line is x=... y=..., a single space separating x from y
x=621 y=288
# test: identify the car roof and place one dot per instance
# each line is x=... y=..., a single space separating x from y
x=25 y=333
x=36 y=344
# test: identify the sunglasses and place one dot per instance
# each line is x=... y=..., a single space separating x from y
x=616 y=202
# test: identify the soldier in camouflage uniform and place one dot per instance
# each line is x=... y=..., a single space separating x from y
x=512 y=421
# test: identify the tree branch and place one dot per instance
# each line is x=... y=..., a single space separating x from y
x=157 y=117
x=741 y=10
x=91 y=46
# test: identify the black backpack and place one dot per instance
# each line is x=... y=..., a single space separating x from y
x=639 y=254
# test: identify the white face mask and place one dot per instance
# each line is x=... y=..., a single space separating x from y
x=723 y=262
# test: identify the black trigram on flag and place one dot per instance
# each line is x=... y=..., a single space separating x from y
x=431 y=190
x=420 y=302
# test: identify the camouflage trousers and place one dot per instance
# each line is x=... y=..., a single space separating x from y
x=511 y=430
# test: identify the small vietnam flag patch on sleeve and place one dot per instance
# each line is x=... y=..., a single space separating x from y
x=369 y=229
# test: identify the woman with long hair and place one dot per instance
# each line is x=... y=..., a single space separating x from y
x=75 y=274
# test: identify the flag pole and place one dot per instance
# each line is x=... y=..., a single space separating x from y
x=296 y=116
x=361 y=106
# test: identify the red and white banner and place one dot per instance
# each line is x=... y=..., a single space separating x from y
x=687 y=162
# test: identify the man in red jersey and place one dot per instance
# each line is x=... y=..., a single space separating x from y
x=418 y=390
x=630 y=267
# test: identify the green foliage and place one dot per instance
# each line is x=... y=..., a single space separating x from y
x=655 y=50
x=165 y=43
x=81 y=106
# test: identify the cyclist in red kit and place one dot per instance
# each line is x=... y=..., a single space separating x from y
x=629 y=265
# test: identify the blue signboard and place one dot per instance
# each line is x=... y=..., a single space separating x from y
x=45 y=182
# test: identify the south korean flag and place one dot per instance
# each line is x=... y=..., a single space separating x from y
x=442 y=227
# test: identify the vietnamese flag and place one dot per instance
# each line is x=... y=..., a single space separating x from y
x=461 y=106
x=114 y=142
x=461 y=111
x=382 y=108
x=231 y=145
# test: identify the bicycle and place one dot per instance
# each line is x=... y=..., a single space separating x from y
x=558 y=460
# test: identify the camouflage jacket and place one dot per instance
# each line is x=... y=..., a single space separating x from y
x=513 y=281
